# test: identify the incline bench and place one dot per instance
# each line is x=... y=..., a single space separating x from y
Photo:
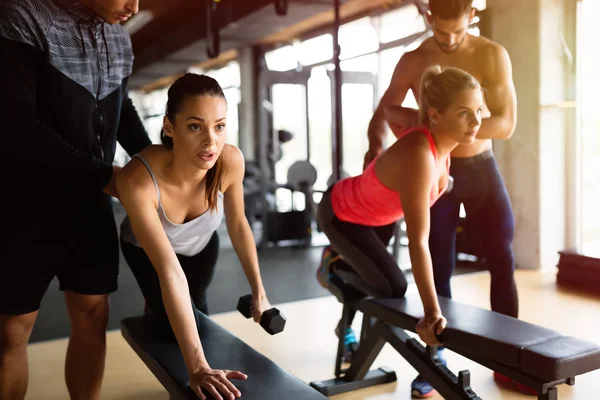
x=537 y=357
x=223 y=350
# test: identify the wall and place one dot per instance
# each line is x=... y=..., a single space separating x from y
x=515 y=25
x=557 y=124
x=538 y=35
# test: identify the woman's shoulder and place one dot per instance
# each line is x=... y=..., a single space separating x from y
x=154 y=152
x=415 y=138
x=412 y=149
x=234 y=165
x=232 y=154
x=233 y=159
x=135 y=173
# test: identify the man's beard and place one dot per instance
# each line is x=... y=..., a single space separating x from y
x=446 y=49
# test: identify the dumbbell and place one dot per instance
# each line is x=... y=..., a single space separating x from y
x=272 y=321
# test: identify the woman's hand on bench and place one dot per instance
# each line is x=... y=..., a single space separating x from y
x=217 y=383
x=430 y=327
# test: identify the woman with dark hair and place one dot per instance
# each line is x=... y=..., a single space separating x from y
x=175 y=195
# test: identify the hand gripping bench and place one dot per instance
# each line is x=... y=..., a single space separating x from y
x=223 y=350
x=537 y=357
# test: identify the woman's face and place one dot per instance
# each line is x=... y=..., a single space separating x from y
x=462 y=119
x=199 y=130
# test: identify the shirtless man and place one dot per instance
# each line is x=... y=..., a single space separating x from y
x=477 y=181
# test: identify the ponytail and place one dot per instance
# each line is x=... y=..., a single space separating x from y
x=428 y=76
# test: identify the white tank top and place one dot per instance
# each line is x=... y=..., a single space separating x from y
x=187 y=239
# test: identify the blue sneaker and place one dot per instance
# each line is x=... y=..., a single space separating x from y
x=420 y=388
x=327 y=258
x=350 y=344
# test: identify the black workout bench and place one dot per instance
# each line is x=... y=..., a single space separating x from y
x=223 y=351
x=537 y=357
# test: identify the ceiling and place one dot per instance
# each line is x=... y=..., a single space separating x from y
x=175 y=38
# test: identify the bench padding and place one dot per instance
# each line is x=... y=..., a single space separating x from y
x=223 y=350
x=535 y=350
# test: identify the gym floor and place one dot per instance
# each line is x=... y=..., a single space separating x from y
x=307 y=346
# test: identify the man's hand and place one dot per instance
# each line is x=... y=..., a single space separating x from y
x=111 y=188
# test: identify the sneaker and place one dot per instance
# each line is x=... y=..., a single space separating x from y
x=508 y=383
x=350 y=344
x=420 y=388
x=327 y=258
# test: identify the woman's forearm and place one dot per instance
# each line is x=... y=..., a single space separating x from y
x=422 y=268
x=176 y=299
x=243 y=243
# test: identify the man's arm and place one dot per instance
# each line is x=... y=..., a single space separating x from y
x=394 y=95
x=25 y=133
x=500 y=97
x=131 y=133
x=400 y=118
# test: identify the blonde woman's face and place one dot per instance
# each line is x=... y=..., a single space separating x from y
x=462 y=119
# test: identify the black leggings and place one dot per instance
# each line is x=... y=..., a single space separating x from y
x=198 y=269
x=364 y=248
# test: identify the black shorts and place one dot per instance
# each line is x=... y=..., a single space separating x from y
x=75 y=242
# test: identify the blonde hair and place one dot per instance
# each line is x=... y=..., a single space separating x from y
x=439 y=88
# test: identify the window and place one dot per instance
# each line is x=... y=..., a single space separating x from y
x=358 y=37
x=315 y=50
x=228 y=76
x=366 y=63
x=288 y=105
x=153 y=106
x=360 y=52
x=233 y=97
x=401 y=23
x=319 y=110
x=357 y=110
x=282 y=59
x=589 y=86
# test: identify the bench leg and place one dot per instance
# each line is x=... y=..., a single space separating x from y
x=358 y=376
x=551 y=394
x=447 y=384
x=340 y=351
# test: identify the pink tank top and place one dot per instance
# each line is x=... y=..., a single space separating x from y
x=364 y=200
